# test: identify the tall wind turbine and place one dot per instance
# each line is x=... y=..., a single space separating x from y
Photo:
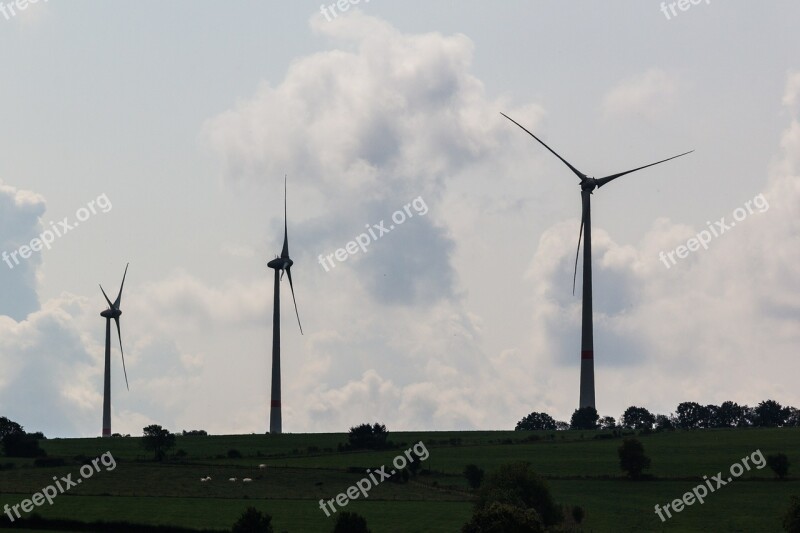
x=587 y=185
x=280 y=264
x=114 y=312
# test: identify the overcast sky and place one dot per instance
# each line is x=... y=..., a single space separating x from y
x=165 y=129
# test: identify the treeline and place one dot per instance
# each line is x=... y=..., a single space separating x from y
x=688 y=415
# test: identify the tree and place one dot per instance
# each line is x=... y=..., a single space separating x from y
x=253 y=521
x=368 y=437
x=779 y=464
x=664 y=422
x=607 y=422
x=504 y=518
x=793 y=421
x=584 y=418
x=637 y=418
x=730 y=414
x=791 y=520
x=516 y=484
x=348 y=522
x=536 y=421
x=22 y=445
x=770 y=413
x=691 y=415
x=632 y=458
x=158 y=440
x=561 y=425
x=474 y=475
x=7 y=427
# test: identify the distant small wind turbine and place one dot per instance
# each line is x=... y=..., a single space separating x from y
x=280 y=264
x=587 y=185
x=114 y=312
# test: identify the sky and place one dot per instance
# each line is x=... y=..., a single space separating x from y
x=160 y=134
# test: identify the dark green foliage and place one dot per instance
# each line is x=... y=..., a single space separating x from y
x=664 y=422
x=22 y=445
x=632 y=459
x=348 y=522
x=518 y=485
x=584 y=418
x=8 y=427
x=504 y=518
x=536 y=421
x=253 y=521
x=730 y=414
x=158 y=440
x=195 y=433
x=234 y=454
x=791 y=520
x=770 y=413
x=578 y=514
x=367 y=437
x=691 y=415
x=474 y=475
x=779 y=464
x=35 y=521
x=637 y=418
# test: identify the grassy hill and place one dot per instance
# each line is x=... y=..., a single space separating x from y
x=582 y=468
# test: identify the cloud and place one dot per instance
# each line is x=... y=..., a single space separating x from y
x=650 y=94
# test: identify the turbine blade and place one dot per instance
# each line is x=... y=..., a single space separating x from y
x=285 y=252
x=603 y=181
x=119 y=296
x=110 y=305
x=580 y=236
x=577 y=172
x=119 y=335
x=291 y=285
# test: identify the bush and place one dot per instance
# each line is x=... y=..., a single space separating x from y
x=779 y=464
x=578 y=514
x=504 y=518
x=22 y=445
x=157 y=440
x=536 y=421
x=584 y=418
x=253 y=521
x=791 y=520
x=474 y=475
x=632 y=458
x=348 y=522
x=234 y=454
x=366 y=437
x=516 y=484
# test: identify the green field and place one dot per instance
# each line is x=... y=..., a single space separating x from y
x=302 y=469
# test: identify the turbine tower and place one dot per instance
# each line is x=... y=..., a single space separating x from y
x=588 y=185
x=114 y=312
x=280 y=264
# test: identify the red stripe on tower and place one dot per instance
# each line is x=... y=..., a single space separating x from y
x=587 y=354
x=276 y=403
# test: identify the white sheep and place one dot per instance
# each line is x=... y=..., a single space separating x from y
x=203 y=480
x=262 y=467
x=232 y=479
x=247 y=480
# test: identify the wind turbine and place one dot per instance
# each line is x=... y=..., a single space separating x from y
x=587 y=184
x=280 y=264
x=114 y=312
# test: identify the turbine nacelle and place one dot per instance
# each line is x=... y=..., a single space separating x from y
x=589 y=184
x=111 y=313
x=280 y=263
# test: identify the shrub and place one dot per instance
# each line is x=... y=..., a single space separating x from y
x=504 y=518
x=779 y=464
x=632 y=458
x=791 y=520
x=584 y=418
x=234 y=454
x=578 y=514
x=253 y=521
x=536 y=421
x=516 y=484
x=348 y=522
x=22 y=445
x=367 y=437
x=474 y=475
